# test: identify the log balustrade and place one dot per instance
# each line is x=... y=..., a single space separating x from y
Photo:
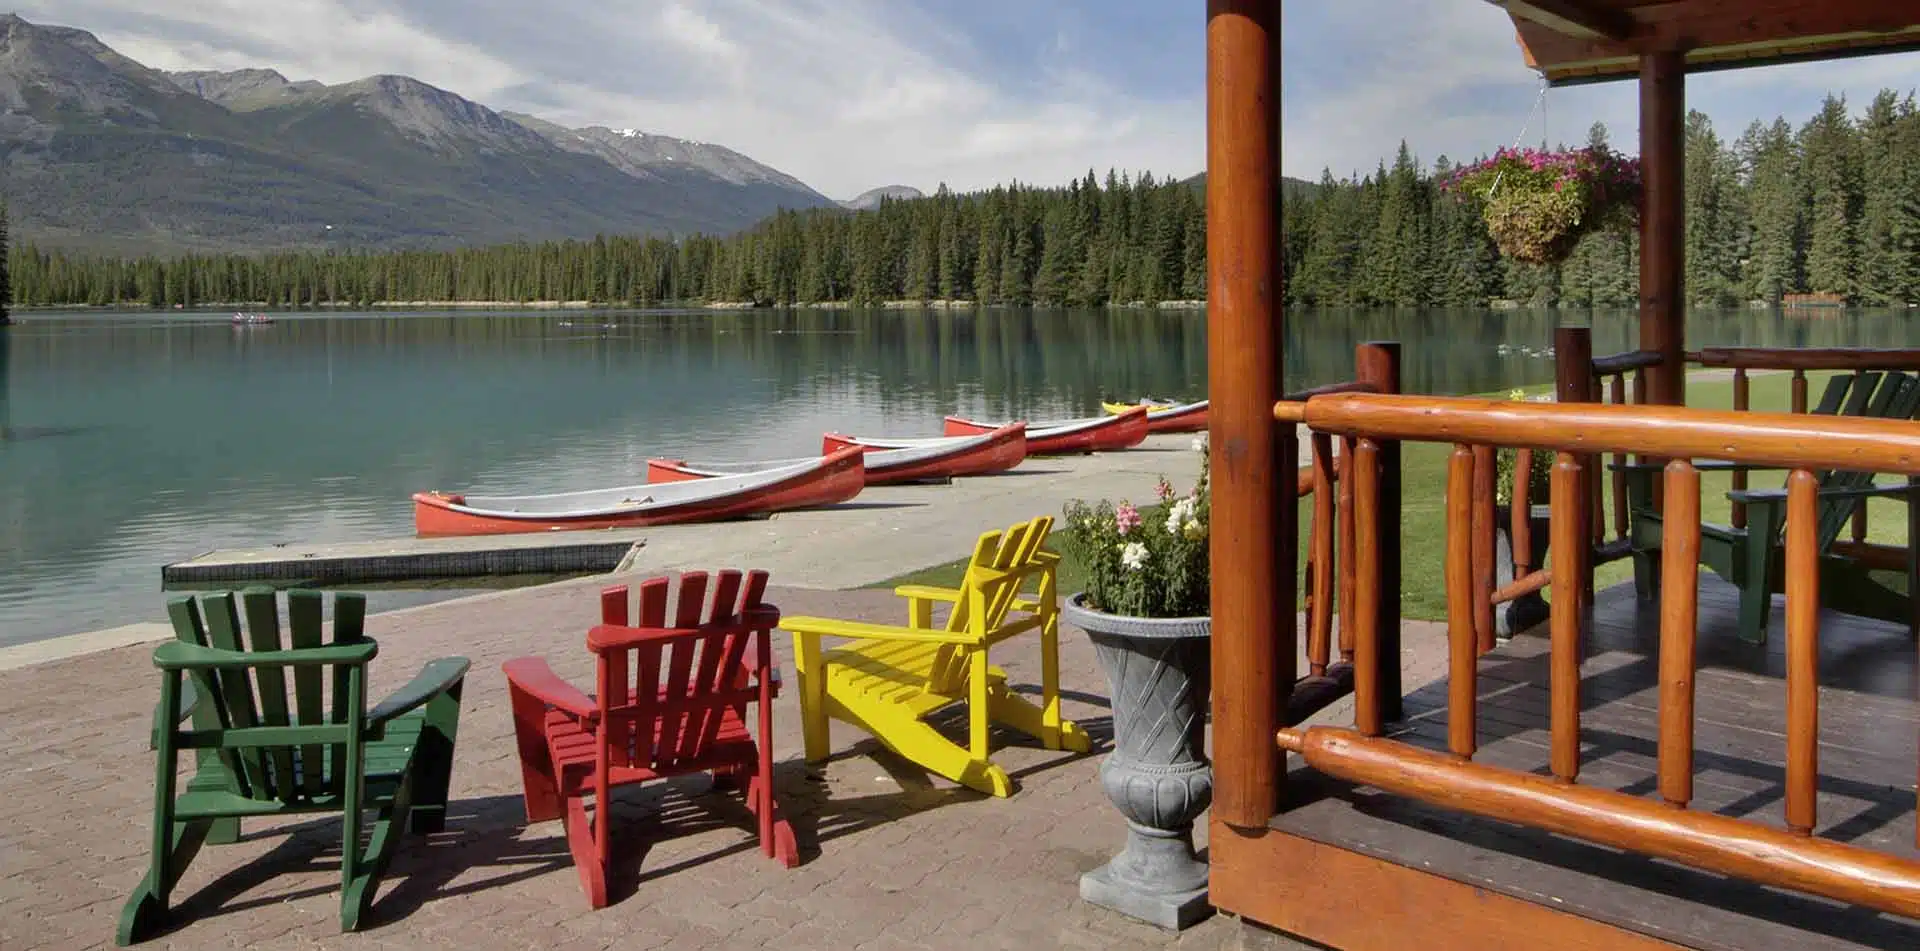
x=1789 y=856
x=1334 y=563
x=1621 y=380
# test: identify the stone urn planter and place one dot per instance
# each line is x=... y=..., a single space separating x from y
x=1529 y=609
x=1158 y=776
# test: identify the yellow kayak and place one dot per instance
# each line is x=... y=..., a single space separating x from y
x=1115 y=409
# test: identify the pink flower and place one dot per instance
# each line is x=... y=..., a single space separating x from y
x=1164 y=489
x=1126 y=518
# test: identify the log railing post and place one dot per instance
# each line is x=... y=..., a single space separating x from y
x=1252 y=544
x=1465 y=594
x=1377 y=364
x=1483 y=511
x=1574 y=383
x=1803 y=649
x=1568 y=616
x=1679 y=626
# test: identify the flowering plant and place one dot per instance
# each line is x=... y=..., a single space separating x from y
x=1540 y=203
x=1539 y=474
x=1145 y=562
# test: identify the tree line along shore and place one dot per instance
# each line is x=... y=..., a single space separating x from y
x=1829 y=207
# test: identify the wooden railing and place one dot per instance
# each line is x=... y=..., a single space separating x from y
x=1333 y=569
x=1621 y=380
x=1790 y=857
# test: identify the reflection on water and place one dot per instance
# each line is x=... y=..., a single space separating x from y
x=136 y=440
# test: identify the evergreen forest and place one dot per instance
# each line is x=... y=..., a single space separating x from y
x=1830 y=206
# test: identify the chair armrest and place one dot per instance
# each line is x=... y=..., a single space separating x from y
x=1704 y=465
x=180 y=655
x=834 y=627
x=1778 y=496
x=927 y=592
x=436 y=678
x=532 y=676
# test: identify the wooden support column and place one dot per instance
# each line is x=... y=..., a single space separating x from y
x=1663 y=311
x=1253 y=536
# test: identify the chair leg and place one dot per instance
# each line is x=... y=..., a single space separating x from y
x=776 y=833
x=591 y=864
x=1646 y=574
x=357 y=891
x=433 y=761
x=145 y=912
x=1756 y=586
x=813 y=696
x=541 y=788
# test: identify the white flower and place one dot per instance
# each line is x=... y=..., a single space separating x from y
x=1133 y=556
x=1200 y=443
x=1180 y=513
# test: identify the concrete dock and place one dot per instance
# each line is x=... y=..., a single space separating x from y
x=884 y=532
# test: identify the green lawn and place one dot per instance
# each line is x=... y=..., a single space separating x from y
x=1423 y=525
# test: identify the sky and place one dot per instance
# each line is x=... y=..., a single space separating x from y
x=851 y=94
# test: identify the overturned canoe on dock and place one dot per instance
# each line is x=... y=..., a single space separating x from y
x=1166 y=416
x=888 y=461
x=1091 y=434
x=826 y=480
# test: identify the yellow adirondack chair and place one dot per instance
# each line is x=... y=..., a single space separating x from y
x=889 y=679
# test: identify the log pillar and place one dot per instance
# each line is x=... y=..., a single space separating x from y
x=1663 y=309
x=1252 y=541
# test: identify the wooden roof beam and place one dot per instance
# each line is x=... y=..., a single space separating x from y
x=1574 y=18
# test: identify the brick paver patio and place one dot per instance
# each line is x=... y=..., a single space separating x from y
x=892 y=859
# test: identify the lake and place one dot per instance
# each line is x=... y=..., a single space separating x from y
x=137 y=439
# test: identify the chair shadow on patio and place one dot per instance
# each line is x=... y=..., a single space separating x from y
x=820 y=817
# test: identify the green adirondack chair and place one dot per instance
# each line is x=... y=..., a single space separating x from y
x=1753 y=558
x=256 y=757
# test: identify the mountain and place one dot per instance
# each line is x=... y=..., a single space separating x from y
x=242 y=90
x=871 y=198
x=1289 y=187
x=100 y=152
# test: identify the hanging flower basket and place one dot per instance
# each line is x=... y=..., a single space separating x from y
x=1539 y=204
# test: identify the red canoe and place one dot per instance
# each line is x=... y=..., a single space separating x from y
x=888 y=461
x=1165 y=416
x=1092 y=434
x=813 y=482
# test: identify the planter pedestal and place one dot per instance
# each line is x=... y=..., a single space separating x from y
x=1158 y=775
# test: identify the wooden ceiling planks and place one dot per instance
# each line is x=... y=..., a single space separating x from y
x=1577 y=41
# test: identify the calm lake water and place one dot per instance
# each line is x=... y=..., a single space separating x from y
x=134 y=440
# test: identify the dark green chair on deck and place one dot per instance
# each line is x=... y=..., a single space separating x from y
x=1753 y=558
x=255 y=756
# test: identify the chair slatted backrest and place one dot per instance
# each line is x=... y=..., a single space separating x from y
x=668 y=673
x=1001 y=565
x=1896 y=397
x=241 y=698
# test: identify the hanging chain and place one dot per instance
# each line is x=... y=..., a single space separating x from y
x=1540 y=109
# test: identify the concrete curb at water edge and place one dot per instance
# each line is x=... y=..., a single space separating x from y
x=898 y=529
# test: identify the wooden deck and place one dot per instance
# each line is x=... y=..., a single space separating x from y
x=1869 y=733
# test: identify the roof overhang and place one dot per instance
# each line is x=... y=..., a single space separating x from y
x=1585 y=41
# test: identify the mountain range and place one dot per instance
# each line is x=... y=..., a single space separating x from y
x=102 y=153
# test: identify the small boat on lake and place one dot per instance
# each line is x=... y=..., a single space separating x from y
x=251 y=319
x=888 y=461
x=1166 y=416
x=1090 y=434
x=808 y=483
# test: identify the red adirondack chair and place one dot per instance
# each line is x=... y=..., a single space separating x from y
x=671 y=700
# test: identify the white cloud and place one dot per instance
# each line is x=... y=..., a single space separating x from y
x=844 y=94
x=1449 y=78
x=851 y=94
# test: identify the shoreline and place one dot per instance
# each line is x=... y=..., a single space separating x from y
x=212 y=307
x=883 y=533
